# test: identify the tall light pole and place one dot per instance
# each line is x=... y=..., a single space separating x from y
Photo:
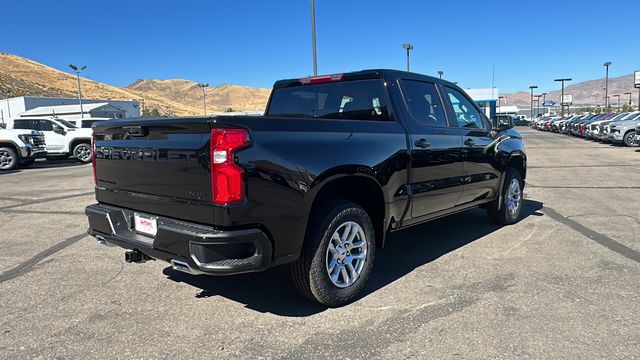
x=78 y=71
x=440 y=72
x=408 y=47
x=204 y=96
x=313 y=37
x=618 y=96
x=544 y=100
x=6 y=94
x=538 y=104
x=531 y=88
x=499 y=103
x=562 y=94
x=606 y=85
x=628 y=93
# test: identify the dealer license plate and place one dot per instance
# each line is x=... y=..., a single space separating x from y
x=145 y=225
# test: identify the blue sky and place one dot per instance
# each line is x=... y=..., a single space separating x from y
x=257 y=42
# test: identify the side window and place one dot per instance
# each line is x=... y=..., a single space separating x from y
x=466 y=114
x=22 y=124
x=45 y=125
x=424 y=102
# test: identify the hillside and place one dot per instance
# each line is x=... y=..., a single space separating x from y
x=219 y=98
x=586 y=92
x=20 y=76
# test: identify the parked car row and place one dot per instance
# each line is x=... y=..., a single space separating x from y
x=26 y=139
x=621 y=128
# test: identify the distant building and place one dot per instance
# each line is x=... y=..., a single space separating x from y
x=486 y=98
x=73 y=112
x=17 y=106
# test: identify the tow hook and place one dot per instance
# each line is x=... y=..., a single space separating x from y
x=136 y=256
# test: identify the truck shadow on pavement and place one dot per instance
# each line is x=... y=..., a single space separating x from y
x=273 y=292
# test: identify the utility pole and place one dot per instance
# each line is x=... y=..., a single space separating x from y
x=606 y=84
x=408 y=47
x=204 y=96
x=313 y=37
x=78 y=71
x=531 y=88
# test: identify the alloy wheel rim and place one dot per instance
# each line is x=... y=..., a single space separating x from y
x=514 y=197
x=83 y=153
x=346 y=254
x=5 y=159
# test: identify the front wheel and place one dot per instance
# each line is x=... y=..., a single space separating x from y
x=508 y=211
x=630 y=139
x=337 y=254
x=8 y=158
x=82 y=152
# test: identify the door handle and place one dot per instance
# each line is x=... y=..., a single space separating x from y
x=422 y=143
x=469 y=142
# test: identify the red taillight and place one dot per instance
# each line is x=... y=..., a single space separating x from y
x=226 y=177
x=93 y=158
x=321 y=79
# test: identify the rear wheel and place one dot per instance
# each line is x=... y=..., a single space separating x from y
x=630 y=138
x=511 y=202
x=8 y=158
x=337 y=255
x=82 y=152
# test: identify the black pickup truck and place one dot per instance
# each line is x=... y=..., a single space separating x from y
x=336 y=164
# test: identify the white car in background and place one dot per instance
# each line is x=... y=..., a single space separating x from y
x=63 y=138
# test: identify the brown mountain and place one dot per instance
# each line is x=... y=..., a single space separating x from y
x=20 y=77
x=219 y=98
x=589 y=92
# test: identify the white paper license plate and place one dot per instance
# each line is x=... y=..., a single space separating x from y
x=145 y=224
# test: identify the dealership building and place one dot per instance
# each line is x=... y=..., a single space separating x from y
x=68 y=108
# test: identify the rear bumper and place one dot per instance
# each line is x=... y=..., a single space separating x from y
x=205 y=249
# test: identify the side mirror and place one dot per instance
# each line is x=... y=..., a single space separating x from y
x=502 y=123
x=58 y=129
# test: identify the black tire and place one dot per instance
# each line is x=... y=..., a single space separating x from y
x=310 y=272
x=8 y=158
x=82 y=152
x=630 y=139
x=505 y=215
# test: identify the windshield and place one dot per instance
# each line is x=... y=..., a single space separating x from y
x=66 y=123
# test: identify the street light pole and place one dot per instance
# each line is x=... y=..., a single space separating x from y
x=204 y=96
x=408 y=47
x=313 y=37
x=606 y=84
x=628 y=93
x=562 y=94
x=544 y=100
x=78 y=71
x=618 y=96
x=440 y=72
x=531 y=88
x=538 y=104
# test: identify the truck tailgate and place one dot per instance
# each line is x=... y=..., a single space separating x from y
x=158 y=166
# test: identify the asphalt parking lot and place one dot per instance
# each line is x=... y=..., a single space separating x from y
x=562 y=283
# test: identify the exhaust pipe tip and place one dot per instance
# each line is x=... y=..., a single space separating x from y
x=102 y=241
x=182 y=266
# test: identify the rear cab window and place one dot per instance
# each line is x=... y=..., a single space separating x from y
x=424 y=103
x=349 y=100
